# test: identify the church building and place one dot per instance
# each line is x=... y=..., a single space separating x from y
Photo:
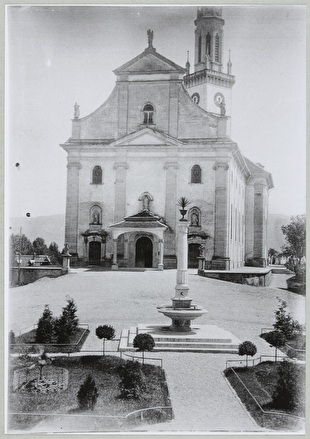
x=162 y=134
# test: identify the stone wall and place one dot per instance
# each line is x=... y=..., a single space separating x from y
x=31 y=274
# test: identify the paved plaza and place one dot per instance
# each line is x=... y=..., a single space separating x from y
x=201 y=398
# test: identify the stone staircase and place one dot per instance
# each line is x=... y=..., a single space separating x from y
x=202 y=338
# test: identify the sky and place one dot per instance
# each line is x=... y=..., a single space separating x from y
x=59 y=55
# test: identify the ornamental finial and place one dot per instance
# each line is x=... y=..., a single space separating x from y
x=150 y=35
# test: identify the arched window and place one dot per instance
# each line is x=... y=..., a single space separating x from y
x=208 y=44
x=194 y=217
x=196 y=174
x=199 y=49
x=97 y=175
x=217 y=48
x=148 y=114
x=95 y=215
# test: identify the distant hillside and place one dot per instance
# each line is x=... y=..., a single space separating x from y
x=275 y=237
x=51 y=228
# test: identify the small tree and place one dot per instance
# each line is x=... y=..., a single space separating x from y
x=54 y=253
x=67 y=323
x=143 y=342
x=290 y=387
x=11 y=339
x=295 y=235
x=132 y=382
x=45 y=328
x=61 y=330
x=69 y=314
x=39 y=246
x=276 y=339
x=105 y=332
x=247 y=348
x=88 y=394
x=285 y=323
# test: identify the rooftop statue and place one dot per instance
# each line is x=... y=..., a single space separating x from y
x=150 y=35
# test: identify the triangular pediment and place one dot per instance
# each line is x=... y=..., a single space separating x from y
x=147 y=136
x=149 y=61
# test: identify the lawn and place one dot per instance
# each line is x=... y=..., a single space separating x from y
x=261 y=380
x=109 y=403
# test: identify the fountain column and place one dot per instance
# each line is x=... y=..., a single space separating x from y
x=181 y=312
x=181 y=299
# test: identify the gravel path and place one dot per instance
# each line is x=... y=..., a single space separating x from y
x=200 y=396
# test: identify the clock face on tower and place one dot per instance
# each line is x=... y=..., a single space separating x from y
x=196 y=98
x=219 y=99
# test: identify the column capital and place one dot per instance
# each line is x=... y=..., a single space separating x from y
x=174 y=165
x=123 y=165
x=74 y=165
x=218 y=165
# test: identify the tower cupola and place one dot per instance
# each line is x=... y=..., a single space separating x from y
x=209 y=38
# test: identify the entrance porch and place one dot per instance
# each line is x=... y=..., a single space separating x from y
x=143 y=241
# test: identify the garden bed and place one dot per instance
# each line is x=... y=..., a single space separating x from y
x=27 y=340
x=104 y=371
x=261 y=380
x=294 y=348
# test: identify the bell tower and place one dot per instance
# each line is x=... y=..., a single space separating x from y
x=209 y=86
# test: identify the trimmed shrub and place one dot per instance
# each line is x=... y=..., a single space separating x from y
x=105 y=332
x=247 y=348
x=144 y=342
x=132 y=383
x=276 y=339
x=88 y=394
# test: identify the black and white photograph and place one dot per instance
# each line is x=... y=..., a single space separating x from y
x=155 y=219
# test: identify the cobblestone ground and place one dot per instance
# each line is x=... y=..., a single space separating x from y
x=200 y=396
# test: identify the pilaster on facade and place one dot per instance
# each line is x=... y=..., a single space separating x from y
x=122 y=109
x=249 y=223
x=221 y=217
x=171 y=167
x=72 y=205
x=120 y=190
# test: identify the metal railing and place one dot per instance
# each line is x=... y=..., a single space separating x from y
x=139 y=413
x=263 y=411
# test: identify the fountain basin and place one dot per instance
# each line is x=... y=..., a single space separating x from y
x=182 y=313
x=181 y=317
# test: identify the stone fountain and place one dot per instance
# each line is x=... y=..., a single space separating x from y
x=182 y=335
x=181 y=311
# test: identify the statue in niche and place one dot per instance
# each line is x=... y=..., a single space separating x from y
x=95 y=217
x=223 y=108
x=76 y=111
x=194 y=219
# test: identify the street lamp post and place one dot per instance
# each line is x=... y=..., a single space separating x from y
x=20 y=250
x=20 y=253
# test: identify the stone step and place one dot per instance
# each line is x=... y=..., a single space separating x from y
x=194 y=344
x=197 y=349
x=190 y=340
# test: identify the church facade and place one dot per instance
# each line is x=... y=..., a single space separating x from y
x=163 y=134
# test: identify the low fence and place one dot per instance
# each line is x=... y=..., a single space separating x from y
x=59 y=375
x=113 y=423
x=22 y=348
x=231 y=364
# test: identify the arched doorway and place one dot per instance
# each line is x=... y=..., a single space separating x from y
x=193 y=254
x=94 y=253
x=144 y=252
